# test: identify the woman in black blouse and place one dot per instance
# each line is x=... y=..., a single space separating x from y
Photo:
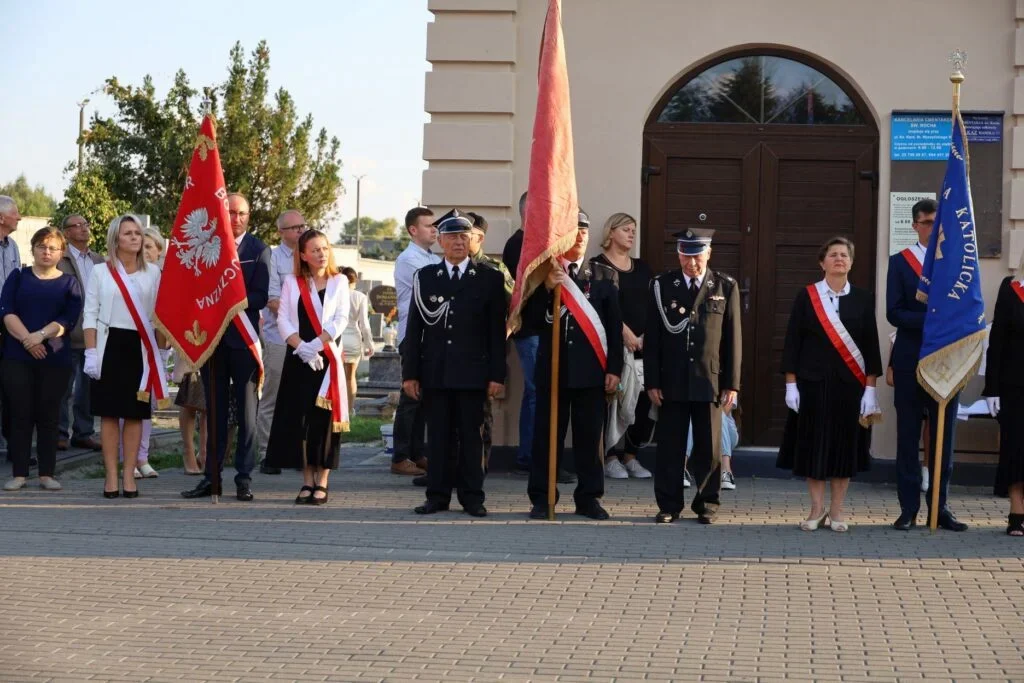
x=1004 y=389
x=831 y=360
x=634 y=279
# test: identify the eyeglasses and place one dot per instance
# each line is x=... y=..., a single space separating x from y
x=931 y=222
x=301 y=227
x=238 y=213
x=48 y=250
x=76 y=225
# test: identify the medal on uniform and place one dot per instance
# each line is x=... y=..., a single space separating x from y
x=433 y=298
x=675 y=283
x=440 y=299
x=472 y=271
x=675 y=305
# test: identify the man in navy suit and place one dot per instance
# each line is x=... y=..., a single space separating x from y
x=906 y=313
x=234 y=367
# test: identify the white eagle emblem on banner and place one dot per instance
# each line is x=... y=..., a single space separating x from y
x=201 y=246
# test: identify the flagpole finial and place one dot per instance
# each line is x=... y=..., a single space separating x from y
x=958 y=58
x=206 y=107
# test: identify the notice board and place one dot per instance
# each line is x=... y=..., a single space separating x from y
x=919 y=147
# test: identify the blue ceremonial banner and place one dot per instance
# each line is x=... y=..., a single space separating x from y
x=954 y=324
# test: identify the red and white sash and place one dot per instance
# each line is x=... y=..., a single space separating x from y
x=333 y=394
x=252 y=341
x=915 y=263
x=154 y=379
x=1018 y=288
x=837 y=333
x=586 y=315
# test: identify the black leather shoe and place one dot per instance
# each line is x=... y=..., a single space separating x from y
x=949 y=522
x=476 y=511
x=565 y=477
x=905 y=522
x=593 y=511
x=420 y=481
x=243 y=492
x=539 y=512
x=202 y=490
x=705 y=518
x=429 y=508
x=666 y=517
x=266 y=469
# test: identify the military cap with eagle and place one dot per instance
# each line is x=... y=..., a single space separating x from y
x=693 y=241
x=453 y=222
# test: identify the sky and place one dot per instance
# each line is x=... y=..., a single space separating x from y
x=356 y=65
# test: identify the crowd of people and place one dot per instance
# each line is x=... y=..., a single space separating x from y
x=645 y=358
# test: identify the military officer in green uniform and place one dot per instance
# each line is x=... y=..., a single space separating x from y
x=692 y=355
x=476 y=252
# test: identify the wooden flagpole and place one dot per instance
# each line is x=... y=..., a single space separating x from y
x=553 y=413
x=933 y=515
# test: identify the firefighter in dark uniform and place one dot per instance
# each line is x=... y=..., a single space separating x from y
x=582 y=382
x=691 y=372
x=455 y=360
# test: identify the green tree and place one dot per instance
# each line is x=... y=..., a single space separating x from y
x=268 y=152
x=32 y=201
x=372 y=228
x=89 y=196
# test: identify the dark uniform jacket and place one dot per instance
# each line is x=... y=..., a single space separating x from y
x=254 y=258
x=1004 y=366
x=69 y=266
x=578 y=364
x=809 y=354
x=904 y=312
x=702 y=360
x=465 y=348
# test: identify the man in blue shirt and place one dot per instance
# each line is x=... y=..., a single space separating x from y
x=410 y=456
x=10 y=261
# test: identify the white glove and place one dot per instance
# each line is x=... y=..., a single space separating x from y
x=317 y=344
x=869 y=402
x=92 y=364
x=792 y=397
x=317 y=364
x=993 y=405
x=306 y=352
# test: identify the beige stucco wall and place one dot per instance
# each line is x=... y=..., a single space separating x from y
x=622 y=57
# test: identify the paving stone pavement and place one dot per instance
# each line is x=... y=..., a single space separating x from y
x=163 y=589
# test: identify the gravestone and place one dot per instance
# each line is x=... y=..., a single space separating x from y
x=383 y=298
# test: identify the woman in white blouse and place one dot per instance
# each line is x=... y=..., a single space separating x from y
x=311 y=409
x=114 y=348
x=357 y=338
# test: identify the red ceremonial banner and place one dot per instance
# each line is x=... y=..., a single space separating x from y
x=202 y=288
x=552 y=208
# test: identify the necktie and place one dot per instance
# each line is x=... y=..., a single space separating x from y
x=572 y=270
x=693 y=287
x=455 y=274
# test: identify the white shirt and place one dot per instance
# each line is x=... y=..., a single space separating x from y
x=919 y=250
x=461 y=266
x=578 y=264
x=238 y=240
x=700 y=280
x=408 y=262
x=833 y=296
x=281 y=266
x=83 y=261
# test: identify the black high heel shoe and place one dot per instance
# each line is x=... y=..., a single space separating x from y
x=111 y=494
x=301 y=499
x=131 y=494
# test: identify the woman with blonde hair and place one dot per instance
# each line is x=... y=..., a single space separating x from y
x=312 y=402
x=634 y=281
x=152 y=250
x=122 y=354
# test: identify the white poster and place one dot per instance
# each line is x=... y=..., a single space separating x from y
x=901 y=232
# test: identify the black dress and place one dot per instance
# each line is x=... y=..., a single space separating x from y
x=634 y=290
x=301 y=433
x=824 y=440
x=1004 y=377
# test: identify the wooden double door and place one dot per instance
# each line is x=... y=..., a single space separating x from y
x=773 y=195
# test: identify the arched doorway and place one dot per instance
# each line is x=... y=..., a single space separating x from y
x=777 y=153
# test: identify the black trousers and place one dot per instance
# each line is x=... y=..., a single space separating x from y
x=233 y=371
x=586 y=408
x=410 y=427
x=454 y=449
x=911 y=401
x=33 y=391
x=705 y=465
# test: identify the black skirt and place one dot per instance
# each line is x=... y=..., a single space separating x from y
x=115 y=394
x=1011 y=439
x=301 y=433
x=825 y=440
